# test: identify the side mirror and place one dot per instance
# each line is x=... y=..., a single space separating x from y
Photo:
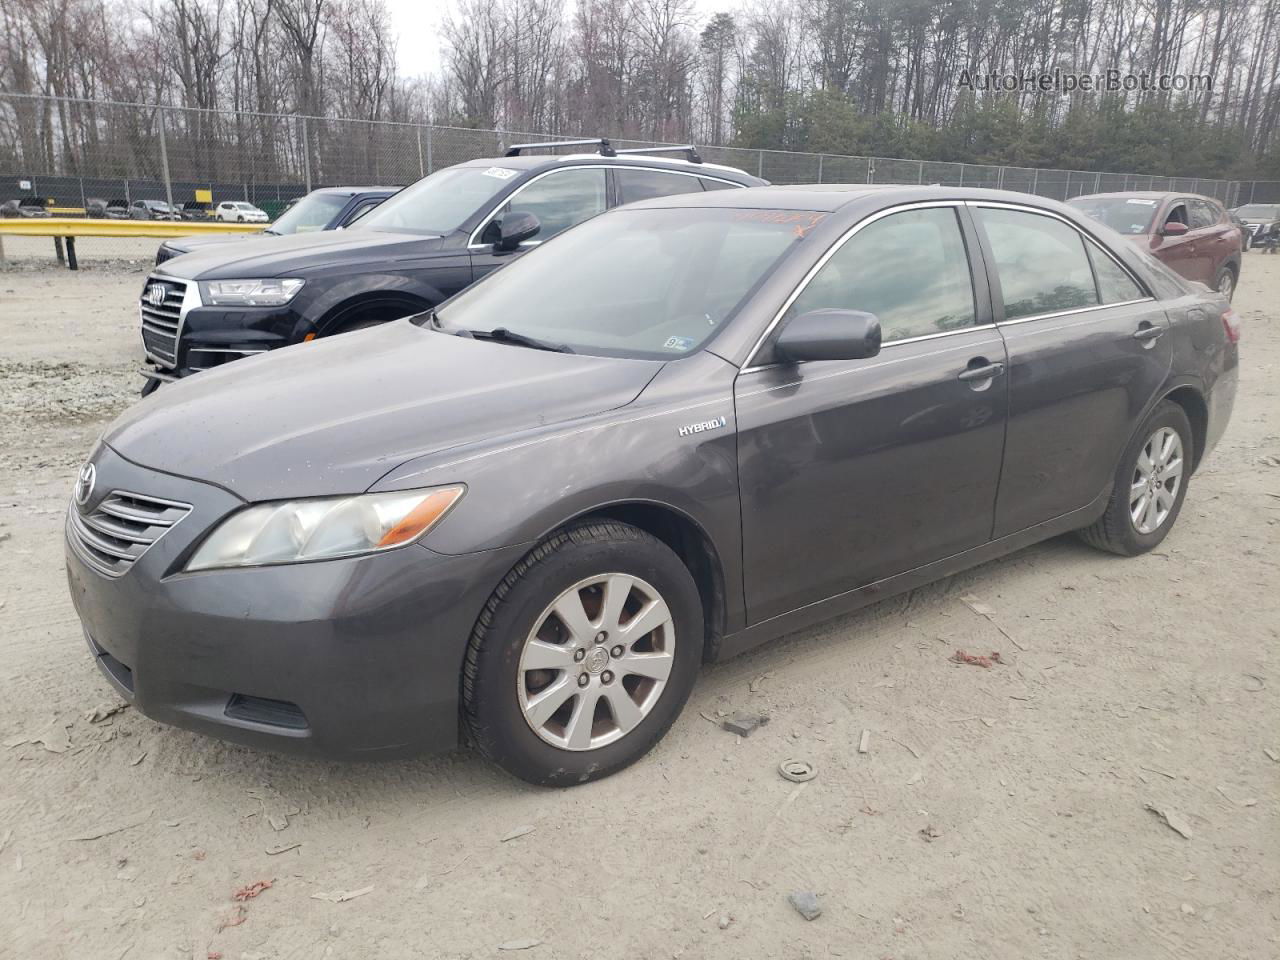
x=508 y=230
x=829 y=335
x=1173 y=229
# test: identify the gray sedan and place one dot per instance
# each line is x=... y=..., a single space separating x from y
x=673 y=432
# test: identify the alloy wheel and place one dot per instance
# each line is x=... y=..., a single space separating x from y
x=596 y=662
x=1226 y=286
x=1156 y=477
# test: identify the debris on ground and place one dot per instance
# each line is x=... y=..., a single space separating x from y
x=1172 y=819
x=108 y=831
x=52 y=736
x=1271 y=754
x=806 y=904
x=744 y=724
x=342 y=896
x=1247 y=802
x=249 y=891
x=104 y=711
x=236 y=917
x=797 y=771
x=724 y=921
x=976 y=659
x=930 y=833
x=525 y=943
x=518 y=832
x=864 y=743
x=982 y=610
x=282 y=848
x=754 y=685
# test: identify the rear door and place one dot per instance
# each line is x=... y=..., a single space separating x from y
x=1220 y=240
x=855 y=470
x=1088 y=349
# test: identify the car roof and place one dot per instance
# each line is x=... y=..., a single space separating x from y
x=352 y=191
x=538 y=161
x=829 y=197
x=1143 y=195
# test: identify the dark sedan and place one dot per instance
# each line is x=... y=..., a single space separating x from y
x=676 y=431
x=325 y=209
x=1263 y=223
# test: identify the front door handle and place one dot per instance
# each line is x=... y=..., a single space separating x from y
x=975 y=374
x=1148 y=332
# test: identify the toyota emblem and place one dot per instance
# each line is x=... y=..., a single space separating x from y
x=155 y=295
x=85 y=482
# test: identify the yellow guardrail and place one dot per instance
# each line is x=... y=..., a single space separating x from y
x=86 y=227
x=68 y=228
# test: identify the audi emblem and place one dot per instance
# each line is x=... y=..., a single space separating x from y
x=155 y=295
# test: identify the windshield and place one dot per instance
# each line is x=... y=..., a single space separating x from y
x=645 y=284
x=1122 y=214
x=1259 y=211
x=440 y=203
x=313 y=212
x=245 y=206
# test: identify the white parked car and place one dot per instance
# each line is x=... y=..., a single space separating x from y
x=241 y=211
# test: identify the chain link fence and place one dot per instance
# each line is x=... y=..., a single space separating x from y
x=70 y=153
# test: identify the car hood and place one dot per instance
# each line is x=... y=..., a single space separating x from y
x=264 y=255
x=333 y=416
x=187 y=244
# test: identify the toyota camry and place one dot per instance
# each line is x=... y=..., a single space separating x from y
x=676 y=431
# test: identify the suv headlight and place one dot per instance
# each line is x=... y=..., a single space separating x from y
x=323 y=528
x=249 y=293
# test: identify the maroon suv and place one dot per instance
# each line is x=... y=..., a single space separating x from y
x=1193 y=235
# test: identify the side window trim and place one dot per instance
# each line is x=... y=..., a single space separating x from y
x=997 y=301
x=956 y=205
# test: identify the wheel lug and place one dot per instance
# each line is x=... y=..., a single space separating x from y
x=616 y=651
x=602 y=636
x=579 y=656
x=606 y=677
x=584 y=679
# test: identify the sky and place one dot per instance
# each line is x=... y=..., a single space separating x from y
x=418 y=24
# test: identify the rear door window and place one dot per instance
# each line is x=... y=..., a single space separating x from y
x=1114 y=283
x=910 y=269
x=636 y=185
x=1203 y=215
x=1041 y=262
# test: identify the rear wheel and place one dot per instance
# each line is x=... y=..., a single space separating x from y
x=1150 y=485
x=584 y=655
x=1225 y=282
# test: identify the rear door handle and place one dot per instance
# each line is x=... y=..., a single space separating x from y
x=1148 y=332
x=987 y=372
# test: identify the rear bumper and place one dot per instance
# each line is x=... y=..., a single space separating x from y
x=349 y=658
x=1221 y=401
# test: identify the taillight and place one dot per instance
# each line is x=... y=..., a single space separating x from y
x=1231 y=323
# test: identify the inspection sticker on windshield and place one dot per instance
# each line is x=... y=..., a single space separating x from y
x=679 y=343
x=500 y=173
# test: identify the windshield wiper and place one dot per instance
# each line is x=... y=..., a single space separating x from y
x=272 y=232
x=503 y=335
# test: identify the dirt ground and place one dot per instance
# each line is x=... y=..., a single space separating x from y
x=998 y=812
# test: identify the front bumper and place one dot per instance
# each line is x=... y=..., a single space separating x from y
x=350 y=658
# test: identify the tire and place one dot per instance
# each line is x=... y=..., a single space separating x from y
x=501 y=690
x=150 y=387
x=1225 y=282
x=1117 y=531
x=240 y=219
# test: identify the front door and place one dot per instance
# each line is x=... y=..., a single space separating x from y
x=1087 y=351
x=853 y=471
x=560 y=199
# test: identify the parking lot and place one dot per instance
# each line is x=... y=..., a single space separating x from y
x=1108 y=789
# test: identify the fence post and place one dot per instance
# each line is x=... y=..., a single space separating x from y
x=871 y=169
x=819 y=168
x=962 y=174
x=760 y=166
x=920 y=172
x=306 y=155
x=164 y=157
x=422 y=171
x=1035 y=179
x=1097 y=183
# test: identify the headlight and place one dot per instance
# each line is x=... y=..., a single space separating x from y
x=249 y=293
x=323 y=528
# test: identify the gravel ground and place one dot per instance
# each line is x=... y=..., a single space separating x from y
x=998 y=812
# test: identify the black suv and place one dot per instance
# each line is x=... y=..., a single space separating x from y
x=325 y=209
x=418 y=248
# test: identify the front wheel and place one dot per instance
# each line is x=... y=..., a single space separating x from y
x=1150 y=485
x=584 y=656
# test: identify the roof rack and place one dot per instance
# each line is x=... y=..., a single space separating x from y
x=602 y=144
x=689 y=150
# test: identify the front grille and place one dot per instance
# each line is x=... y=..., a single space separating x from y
x=160 y=323
x=164 y=253
x=120 y=529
